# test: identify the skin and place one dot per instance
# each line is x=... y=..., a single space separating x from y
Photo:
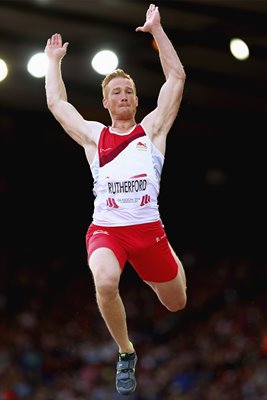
x=121 y=102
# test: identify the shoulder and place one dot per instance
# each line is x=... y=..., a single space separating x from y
x=94 y=126
x=94 y=129
x=154 y=130
x=147 y=124
x=152 y=125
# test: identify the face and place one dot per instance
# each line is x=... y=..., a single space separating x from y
x=121 y=99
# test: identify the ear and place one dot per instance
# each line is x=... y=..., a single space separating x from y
x=105 y=103
x=136 y=101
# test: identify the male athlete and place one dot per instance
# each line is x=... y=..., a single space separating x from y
x=126 y=161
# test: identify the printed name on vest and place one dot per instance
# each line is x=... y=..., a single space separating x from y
x=127 y=186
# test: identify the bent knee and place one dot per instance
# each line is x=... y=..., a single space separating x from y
x=177 y=305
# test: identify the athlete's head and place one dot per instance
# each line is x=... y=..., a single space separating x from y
x=119 y=95
x=117 y=73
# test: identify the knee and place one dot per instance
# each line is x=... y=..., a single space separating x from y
x=106 y=275
x=106 y=289
x=178 y=305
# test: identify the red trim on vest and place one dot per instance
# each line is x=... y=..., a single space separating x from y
x=110 y=145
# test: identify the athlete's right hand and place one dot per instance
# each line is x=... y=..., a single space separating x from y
x=54 y=48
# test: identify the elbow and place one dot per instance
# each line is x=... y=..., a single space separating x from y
x=49 y=106
x=180 y=74
x=50 y=101
x=177 y=75
x=183 y=76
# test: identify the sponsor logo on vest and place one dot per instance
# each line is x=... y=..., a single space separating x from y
x=141 y=146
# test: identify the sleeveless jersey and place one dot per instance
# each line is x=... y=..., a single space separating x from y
x=126 y=171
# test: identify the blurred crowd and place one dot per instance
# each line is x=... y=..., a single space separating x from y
x=54 y=345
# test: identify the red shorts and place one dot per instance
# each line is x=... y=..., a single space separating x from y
x=145 y=246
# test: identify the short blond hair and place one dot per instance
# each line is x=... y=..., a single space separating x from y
x=117 y=73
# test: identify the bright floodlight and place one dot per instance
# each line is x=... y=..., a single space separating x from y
x=239 y=49
x=3 y=70
x=37 y=65
x=105 y=62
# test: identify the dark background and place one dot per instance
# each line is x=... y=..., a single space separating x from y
x=212 y=201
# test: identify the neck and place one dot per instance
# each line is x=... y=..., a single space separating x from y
x=122 y=125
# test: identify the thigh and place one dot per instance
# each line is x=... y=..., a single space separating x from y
x=103 y=238
x=172 y=294
x=105 y=268
x=154 y=261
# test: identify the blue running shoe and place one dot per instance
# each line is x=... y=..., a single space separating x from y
x=125 y=377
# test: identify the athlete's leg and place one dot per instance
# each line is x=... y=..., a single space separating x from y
x=172 y=294
x=106 y=274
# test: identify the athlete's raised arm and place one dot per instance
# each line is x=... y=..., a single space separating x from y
x=159 y=121
x=82 y=131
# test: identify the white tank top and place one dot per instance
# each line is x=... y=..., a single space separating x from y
x=126 y=171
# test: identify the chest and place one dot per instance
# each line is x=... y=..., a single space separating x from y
x=126 y=158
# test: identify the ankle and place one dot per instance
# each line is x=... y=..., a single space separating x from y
x=129 y=349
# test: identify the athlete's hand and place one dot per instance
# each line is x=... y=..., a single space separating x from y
x=152 y=19
x=54 y=47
